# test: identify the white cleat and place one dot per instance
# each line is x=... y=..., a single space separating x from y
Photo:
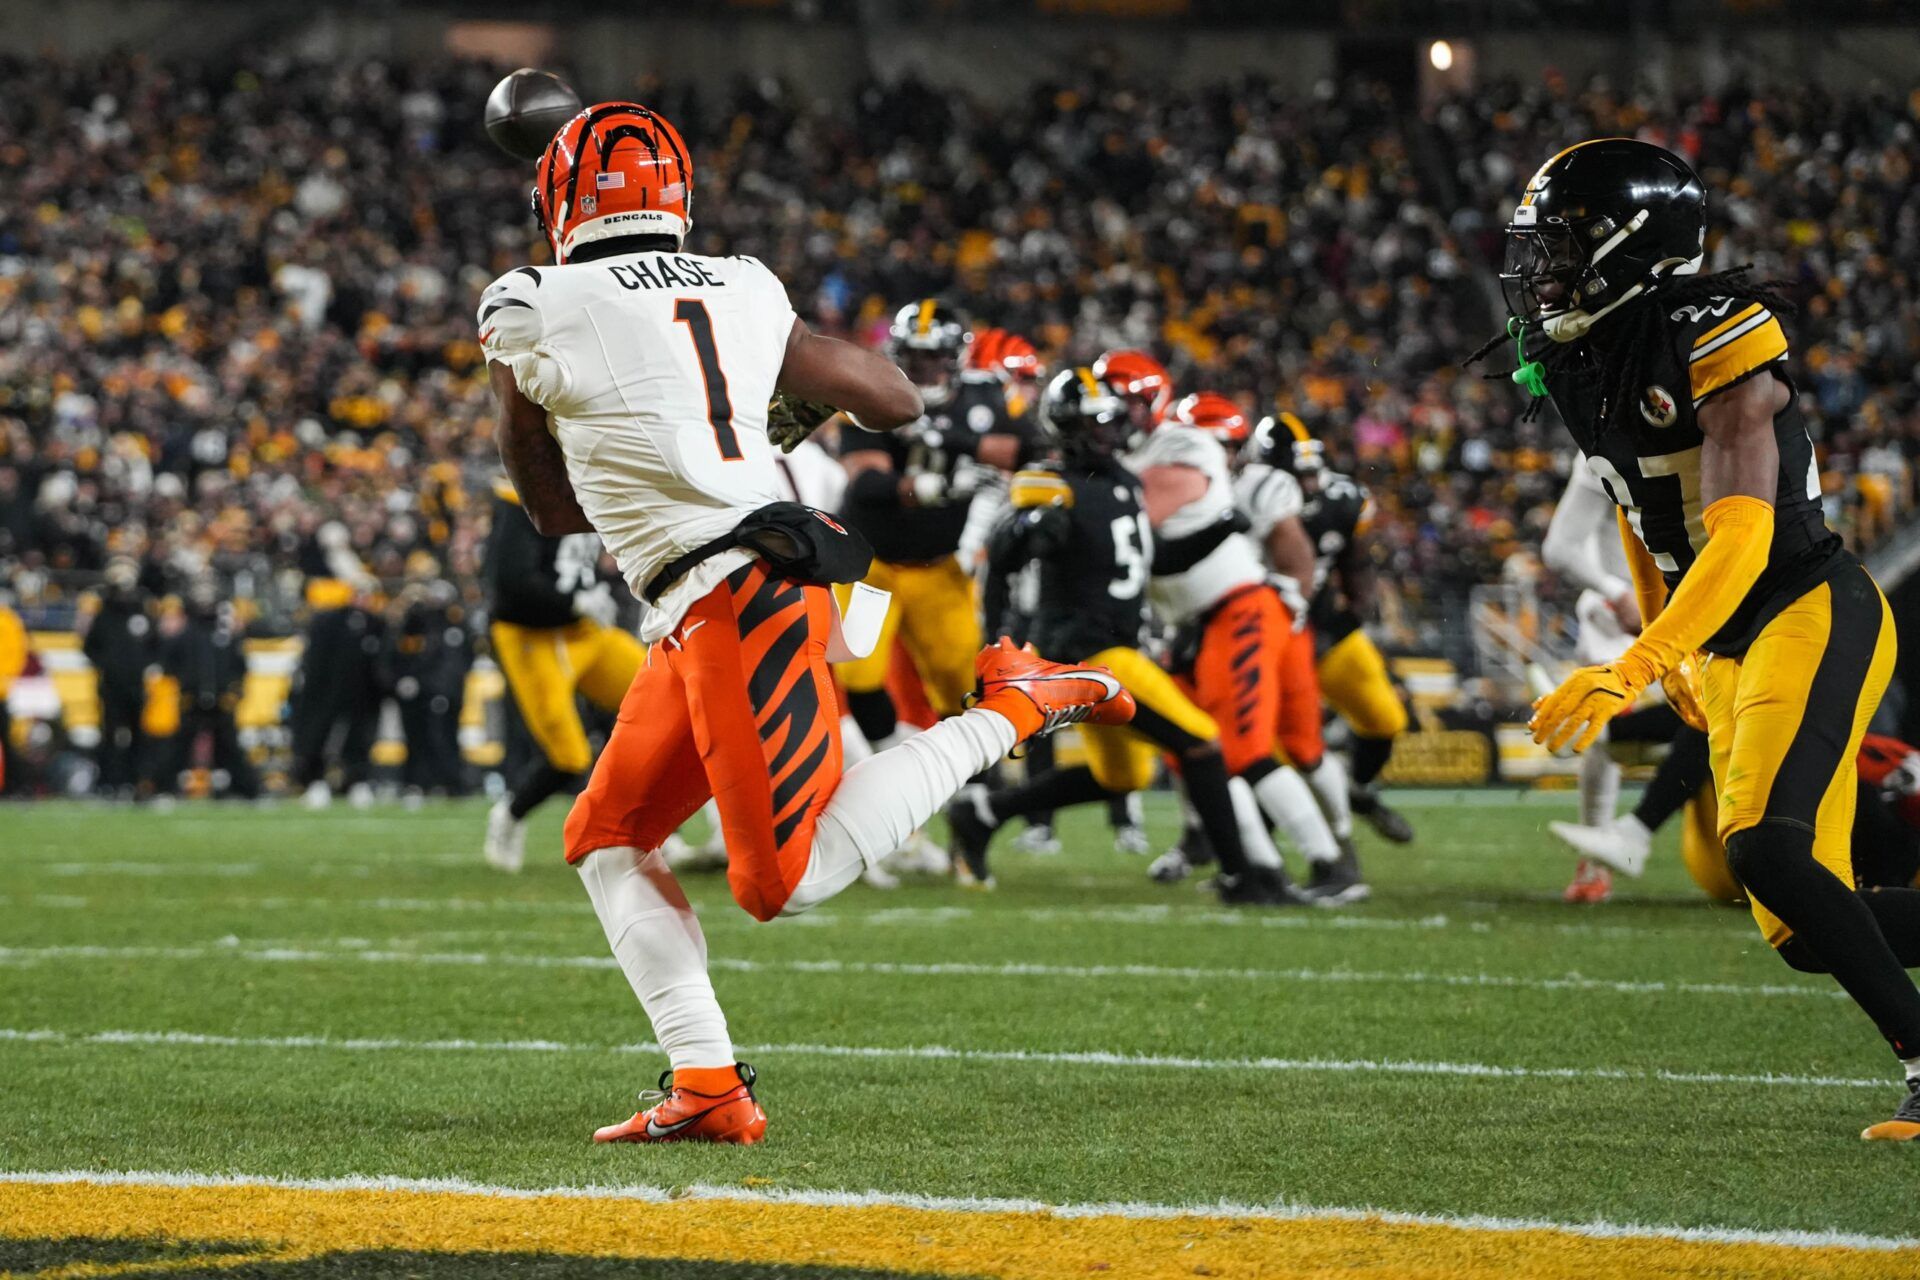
x=360 y=795
x=919 y=856
x=1131 y=840
x=318 y=795
x=1622 y=846
x=1040 y=840
x=506 y=847
x=878 y=877
x=1170 y=867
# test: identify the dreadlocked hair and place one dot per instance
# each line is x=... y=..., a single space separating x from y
x=1640 y=330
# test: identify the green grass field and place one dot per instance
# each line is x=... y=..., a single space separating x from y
x=290 y=995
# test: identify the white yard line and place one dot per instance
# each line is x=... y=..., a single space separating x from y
x=1278 y=1211
x=951 y=1053
x=363 y=951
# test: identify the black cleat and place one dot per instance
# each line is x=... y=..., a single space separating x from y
x=1381 y=817
x=1336 y=883
x=1257 y=887
x=971 y=821
x=1905 y=1125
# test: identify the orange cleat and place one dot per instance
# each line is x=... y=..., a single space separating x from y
x=681 y=1115
x=1061 y=694
x=1592 y=882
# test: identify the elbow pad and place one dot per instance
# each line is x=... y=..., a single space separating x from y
x=1739 y=537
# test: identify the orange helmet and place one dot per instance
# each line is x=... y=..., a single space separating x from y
x=1216 y=415
x=999 y=351
x=1136 y=375
x=616 y=169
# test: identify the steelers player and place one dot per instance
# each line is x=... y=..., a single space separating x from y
x=1084 y=523
x=554 y=636
x=1353 y=675
x=1674 y=386
x=909 y=491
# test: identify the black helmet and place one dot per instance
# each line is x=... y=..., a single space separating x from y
x=1084 y=416
x=929 y=341
x=1599 y=224
x=1284 y=441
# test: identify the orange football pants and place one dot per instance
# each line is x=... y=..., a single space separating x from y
x=1300 y=723
x=1236 y=677
x=737 y=703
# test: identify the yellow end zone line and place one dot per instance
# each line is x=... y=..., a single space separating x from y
x=923 y=1234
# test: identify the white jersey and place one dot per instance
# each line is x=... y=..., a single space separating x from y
x=1266 y=495
x=1233 y=564
x=656 y=369
x=811 y=475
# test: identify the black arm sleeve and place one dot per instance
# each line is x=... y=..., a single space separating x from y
x=1026 y=535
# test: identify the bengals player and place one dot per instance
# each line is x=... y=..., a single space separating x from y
x=1674 y=386
x=659 y=443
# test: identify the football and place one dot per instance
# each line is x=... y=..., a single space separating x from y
x=526 y=109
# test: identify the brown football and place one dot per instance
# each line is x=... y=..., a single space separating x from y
x=526 y=109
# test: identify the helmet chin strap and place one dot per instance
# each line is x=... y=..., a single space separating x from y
x=1571 y=326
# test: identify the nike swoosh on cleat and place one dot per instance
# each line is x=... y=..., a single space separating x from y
x=656 y=1130
x=1111 y=685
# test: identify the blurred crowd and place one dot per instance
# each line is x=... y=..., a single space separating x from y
x=236 y=298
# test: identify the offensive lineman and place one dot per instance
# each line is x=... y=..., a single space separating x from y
x=1674 y=387
x=633 y=383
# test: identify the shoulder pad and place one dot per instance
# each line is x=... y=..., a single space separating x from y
x=1723 y=341
x=509 y=316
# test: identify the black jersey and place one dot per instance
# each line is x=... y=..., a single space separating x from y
x=1650 y=465
x=1334 y=514
x=919 y=534
x=531 y=578
x=1094 y=556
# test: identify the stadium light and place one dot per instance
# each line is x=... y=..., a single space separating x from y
x=1440 y=54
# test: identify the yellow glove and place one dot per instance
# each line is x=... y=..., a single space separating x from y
x=1579 y=709
x=1682 y=685
x=1039 y=489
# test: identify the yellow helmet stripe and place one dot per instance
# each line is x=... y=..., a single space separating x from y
x=1542 y=170
x=1088 y=382
x=923 y=323
x=1297 y=427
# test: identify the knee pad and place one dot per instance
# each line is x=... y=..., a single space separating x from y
x=1759 y=854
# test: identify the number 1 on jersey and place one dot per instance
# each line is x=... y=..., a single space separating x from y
x=693 y=313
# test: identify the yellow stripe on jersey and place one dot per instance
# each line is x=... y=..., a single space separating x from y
x=1725 y=325
x=1039 y=489
x=1716 y=362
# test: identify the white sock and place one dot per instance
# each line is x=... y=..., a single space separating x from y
x=1255 y=839
x=1329 y=783
x=1136 y=812
x=658 y=942
x=1599 y=786
x=1913 y=1067
x=1290 y=805
x=881 y=802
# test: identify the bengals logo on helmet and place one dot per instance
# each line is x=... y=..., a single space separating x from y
x=616 y=169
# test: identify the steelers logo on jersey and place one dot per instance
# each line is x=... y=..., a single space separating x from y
x=1658 y=407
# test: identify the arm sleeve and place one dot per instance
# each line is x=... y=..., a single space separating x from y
x=1573 y=547
x=1649 y=588
x=513 y=331
x=1739 y=534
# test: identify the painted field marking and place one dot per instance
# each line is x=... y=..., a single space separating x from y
x=362 y=950
x=1278 y=1211
x=952 y=1053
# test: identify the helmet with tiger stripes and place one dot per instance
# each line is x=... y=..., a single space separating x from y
x=615 y=170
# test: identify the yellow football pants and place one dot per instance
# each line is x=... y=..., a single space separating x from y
x=1120 y=757
x=1354 y=681
x=1700 y=849
x=1784 y=720
x=935 y=614
x=546 y=666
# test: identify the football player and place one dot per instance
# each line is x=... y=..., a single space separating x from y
x=1209 y=582
x=909 y=493
x=1353 y=675
x=555 y=639
x=1084 y=525
x=658 y=441
x=1014 y=361
x=1673 y=385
